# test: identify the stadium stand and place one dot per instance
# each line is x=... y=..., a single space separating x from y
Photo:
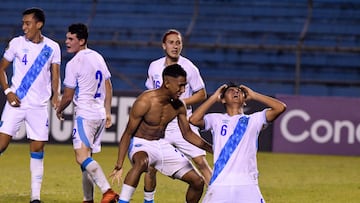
x=276 y=47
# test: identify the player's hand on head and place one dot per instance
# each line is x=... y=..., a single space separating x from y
x=247 y=91
x=219 y=91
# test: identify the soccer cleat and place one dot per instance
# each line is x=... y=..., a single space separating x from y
x=88 y=201
x=35 y=201
x=110 y=197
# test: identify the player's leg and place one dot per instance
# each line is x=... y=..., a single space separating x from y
x=175 y=138
x=11 y=120
x=149 y=185
x=4 y=142
x=178 y=166
x=37 y=130
x=196 y=186
x=36 y=167
x=204 y=167
x=140 y=165
x=87 y=186
x=84 y=140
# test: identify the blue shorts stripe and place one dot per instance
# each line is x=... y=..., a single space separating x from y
x=81 y=131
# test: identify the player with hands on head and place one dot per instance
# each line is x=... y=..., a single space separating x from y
x=142 y=139
x=235 y=137
x=88 y=85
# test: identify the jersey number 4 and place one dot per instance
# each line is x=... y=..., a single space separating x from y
x=24 y=59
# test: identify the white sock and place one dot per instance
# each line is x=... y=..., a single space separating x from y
x=88 y=186
x=148 y=196
x=96 y=173
x=126 y=192
x=37 y=172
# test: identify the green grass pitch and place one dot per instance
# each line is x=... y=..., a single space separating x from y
x=284 y=178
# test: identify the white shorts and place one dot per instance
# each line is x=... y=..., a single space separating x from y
x=36 y=121
x=174 y=137
x=233 y=194
x=162 y=155
x=89 y=133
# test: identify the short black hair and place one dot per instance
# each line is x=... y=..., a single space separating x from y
x=80 y=30
x=174 y=70
x=39 y=14
x=228 y=85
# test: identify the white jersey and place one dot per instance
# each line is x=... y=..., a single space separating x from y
x=235 y=156
x=31 y=80
x=193 y=79
x=86 y=72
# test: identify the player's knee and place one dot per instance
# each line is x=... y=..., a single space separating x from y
x=1 y=151
x=141 y=165
x=4 y=142
x=3 y=148
x=197 y=182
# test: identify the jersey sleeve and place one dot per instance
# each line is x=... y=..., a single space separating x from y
x=10 y=50
x=105 y=68
x=195 y=80
x=57 y=54
x=70 y=75
x=209 y=119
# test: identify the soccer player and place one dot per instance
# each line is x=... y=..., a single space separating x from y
x=194 y=93
x=36 y=76
x=87 y=83
x=149 y=116
x=235 y=137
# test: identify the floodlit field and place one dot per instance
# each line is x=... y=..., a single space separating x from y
x=284 y=178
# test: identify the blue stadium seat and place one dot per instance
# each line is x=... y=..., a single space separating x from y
x=226 y=39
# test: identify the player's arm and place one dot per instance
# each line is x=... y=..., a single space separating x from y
x=138 y=110
x=4 y=64
x=65 y=101
x=197 y=97
x=197 y=118
x=55 y=84
x=188 y=134
x=108 y=98
x=276 y=106
x=10 y=96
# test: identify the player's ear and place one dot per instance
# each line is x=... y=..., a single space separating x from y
x=39 y=25
x=166 y=82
